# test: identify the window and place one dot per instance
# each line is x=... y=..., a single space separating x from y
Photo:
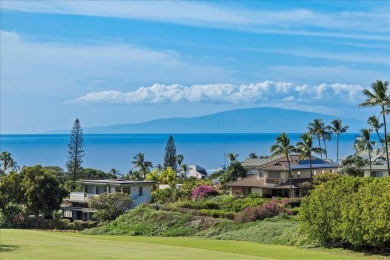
x=376 y=174
x=140 y=191
x=118 y=189
x=126 y=190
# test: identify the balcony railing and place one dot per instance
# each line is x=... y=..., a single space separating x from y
x=271 y=182
x=81 y=196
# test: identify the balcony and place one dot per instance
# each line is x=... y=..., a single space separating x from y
x=272 y=182
x=81 y=196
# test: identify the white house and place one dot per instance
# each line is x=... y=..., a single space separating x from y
x=76 y=207
x=196 y=171
x=378 y=168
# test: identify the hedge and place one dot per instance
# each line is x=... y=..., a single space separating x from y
x=349 y=210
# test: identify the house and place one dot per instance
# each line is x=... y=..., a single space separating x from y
x=378 y=168
x=270 y=176
x=76 y=207
x=196 y=171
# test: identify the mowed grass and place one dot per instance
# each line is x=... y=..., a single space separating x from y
x=32 y=244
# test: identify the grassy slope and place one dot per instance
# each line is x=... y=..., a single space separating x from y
x=30 y=244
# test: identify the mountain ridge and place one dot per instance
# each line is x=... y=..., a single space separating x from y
x=247 y=120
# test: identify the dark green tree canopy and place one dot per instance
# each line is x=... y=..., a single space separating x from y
x=41 y=190
x=75 y=150
x=170 y=155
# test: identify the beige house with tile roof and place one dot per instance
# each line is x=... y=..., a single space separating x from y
x=270 y=176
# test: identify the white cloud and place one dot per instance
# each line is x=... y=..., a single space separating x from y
x=256 y=93
x=369 y=24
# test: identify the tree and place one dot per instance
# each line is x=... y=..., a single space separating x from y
x=252 y=155
x=7 y=162
x=232 y=156
x=283 y=147
x=75 y=150
x=364 y=143
x=167 y=176
x=373 y=121
x=379 y=96
x=179 y=159
x=91 y=174
x=337 y=129
x=109 y=206
x=318 y=129
x=42 y=191
x=352 y=165
x=184 y=168
x=115 y=173
x=170 y=155
x=10 y=189
x=306 y=149
x=234 y=171
x=141 y=164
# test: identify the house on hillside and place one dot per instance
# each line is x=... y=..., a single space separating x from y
x=76 y=207
x=378 y=168
x=269 y=176
x=196 y=171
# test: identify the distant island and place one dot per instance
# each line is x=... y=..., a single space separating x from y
x=250 y=120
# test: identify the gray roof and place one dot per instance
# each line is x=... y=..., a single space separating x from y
x=256 y=162
x=116 y=182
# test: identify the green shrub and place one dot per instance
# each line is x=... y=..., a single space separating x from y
x=269 y=231
x=349 y=210
x=147 y=221
x=215 y=213
x=167 y=195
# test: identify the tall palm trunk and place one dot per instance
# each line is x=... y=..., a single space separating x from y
x=311 y=170
x=337 y=152
x=386 y=141
x=326 y=151
x=369 y=155
x=319 y=143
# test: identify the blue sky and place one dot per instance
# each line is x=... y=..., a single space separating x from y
x=132 y=61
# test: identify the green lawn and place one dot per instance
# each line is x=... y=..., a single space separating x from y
x=31 y=244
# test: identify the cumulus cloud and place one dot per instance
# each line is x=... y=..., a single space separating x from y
x=256 y=93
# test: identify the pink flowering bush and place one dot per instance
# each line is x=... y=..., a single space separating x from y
x=267 y=210
x=203 y=191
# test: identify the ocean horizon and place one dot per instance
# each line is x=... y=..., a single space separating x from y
x=107 y=151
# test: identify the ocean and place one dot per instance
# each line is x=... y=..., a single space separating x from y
x=107 y=151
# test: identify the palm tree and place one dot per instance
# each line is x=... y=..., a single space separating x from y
x=318 y=129
x=252 y=155
x=283 y=147
x=306 y=149
x=139 y=162
x=364 y=143
x=379 y=96
x=179 y=159
x=184 y=167
x=337 y=129
x=373 y=121
x=232 y=157
x=114 y=172
x=8 y=162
